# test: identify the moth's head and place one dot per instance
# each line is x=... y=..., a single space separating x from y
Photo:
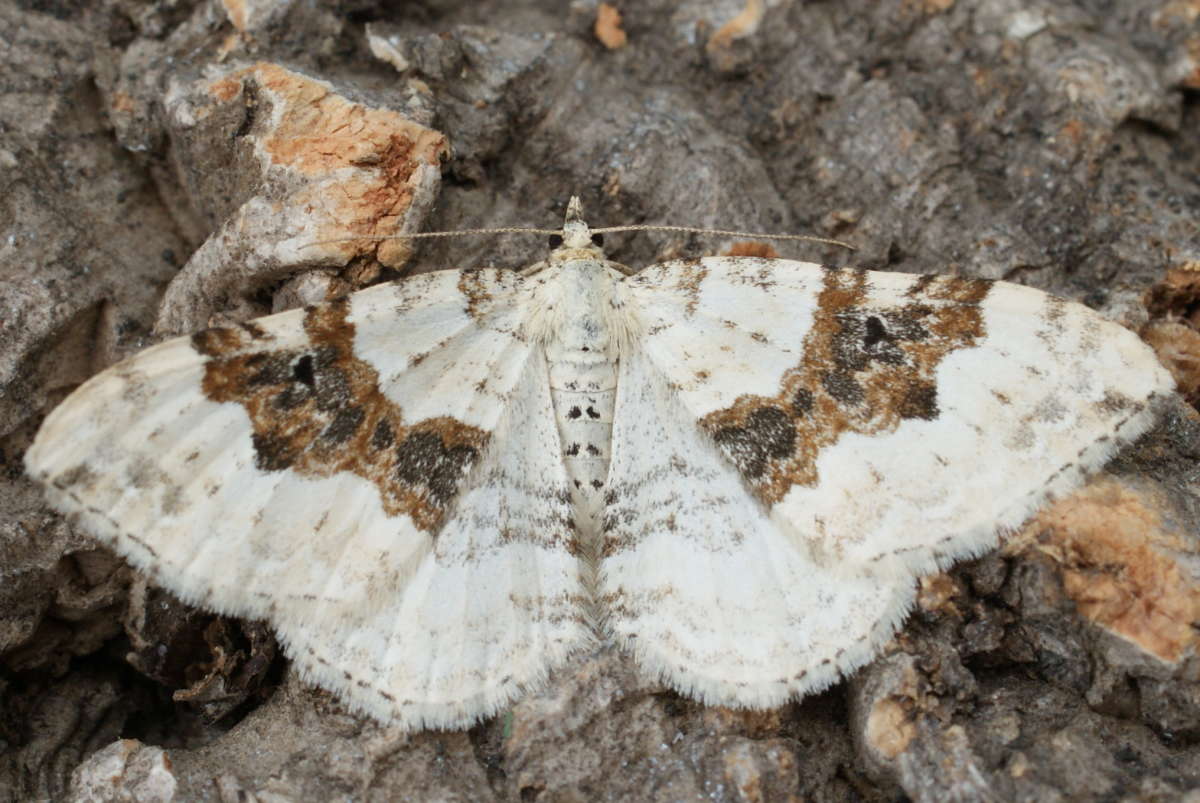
x=576 y=240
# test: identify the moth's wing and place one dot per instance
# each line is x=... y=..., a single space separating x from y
x=792 y=445
x=378 y=477
x=703 y=584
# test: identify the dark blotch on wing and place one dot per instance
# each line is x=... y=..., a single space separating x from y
x=768 y=434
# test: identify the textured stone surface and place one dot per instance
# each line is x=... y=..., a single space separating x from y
x=286 y=169
x=165 y=164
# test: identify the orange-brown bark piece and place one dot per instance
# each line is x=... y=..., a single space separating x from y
x=1120 y=565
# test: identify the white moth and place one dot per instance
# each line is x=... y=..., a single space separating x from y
x=436 y=490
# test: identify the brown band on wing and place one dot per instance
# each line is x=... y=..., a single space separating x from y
x=864 y=369
x=319 y=411
x=477 y=287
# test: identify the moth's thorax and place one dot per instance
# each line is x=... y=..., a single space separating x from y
x=579 y=312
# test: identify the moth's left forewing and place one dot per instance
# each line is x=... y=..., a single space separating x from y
x=358 y=473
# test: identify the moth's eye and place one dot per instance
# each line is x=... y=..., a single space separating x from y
x=597 y=239
x=555 y=240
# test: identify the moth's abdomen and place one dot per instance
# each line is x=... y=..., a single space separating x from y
x=582 y=362
x=585 y=431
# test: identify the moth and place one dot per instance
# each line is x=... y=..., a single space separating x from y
x=736 y=468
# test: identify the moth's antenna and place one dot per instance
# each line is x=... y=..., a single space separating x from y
x=724 y=233
x=421 y=235
x=425 y=235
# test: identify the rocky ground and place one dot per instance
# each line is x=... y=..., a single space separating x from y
x=166 y=165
